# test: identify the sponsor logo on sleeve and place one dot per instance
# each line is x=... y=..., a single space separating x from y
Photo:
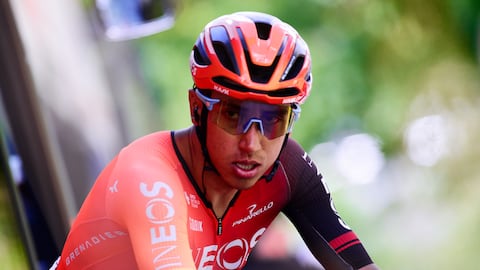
x=113 y=188
x=90 y=242
x=192 y=200
x=160 y=212
x=195 y=224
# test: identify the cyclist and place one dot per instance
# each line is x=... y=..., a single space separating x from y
x=201 y=197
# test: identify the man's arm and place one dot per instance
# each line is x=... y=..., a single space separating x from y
x=148 y=200
x=312 y=212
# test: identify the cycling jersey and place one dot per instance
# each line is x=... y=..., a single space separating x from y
x=145 y=211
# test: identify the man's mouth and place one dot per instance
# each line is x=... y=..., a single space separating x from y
x=246 y=166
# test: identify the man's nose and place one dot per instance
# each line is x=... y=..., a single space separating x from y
x=256 y=123
x=252 y=136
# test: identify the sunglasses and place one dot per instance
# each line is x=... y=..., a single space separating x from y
x=236 y=116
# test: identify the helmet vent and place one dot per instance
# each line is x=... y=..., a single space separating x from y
x=259 y=74
x=263 y=30
x=199 y=53
x=223 y=48
x=295 y=68
x=308 y=77
x=284 y=92
x=297 y=61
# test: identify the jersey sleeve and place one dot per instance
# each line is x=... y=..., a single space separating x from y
x=149 y=202
x=312 y=211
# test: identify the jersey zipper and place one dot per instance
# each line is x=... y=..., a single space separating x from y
x=219 y=228
x=220 y=219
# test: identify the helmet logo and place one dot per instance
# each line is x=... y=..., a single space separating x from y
x=221 y=90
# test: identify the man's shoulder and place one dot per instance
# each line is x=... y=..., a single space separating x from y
x=148 y=158
x=155 y=138
x=150 y=144
x=153 y=151
x=296 y=160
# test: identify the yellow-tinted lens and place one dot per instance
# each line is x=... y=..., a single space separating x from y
x=237 y=117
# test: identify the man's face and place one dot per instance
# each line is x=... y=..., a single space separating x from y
x=243 y=154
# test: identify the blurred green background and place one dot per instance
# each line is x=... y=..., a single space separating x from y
x=392 y=120
x=404 y=72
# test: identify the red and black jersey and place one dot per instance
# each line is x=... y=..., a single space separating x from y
x=145 y=211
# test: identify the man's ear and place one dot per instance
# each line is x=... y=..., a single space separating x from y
x=195 y=107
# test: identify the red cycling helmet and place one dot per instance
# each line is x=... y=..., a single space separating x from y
x=254 y=56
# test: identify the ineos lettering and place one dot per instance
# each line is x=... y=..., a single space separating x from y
x=160 y=234
x=160 y=211
x=162 y=206
x=167 y=261
x=208 y=256
x=157 y=186
x=223 y=257
x=241 y=244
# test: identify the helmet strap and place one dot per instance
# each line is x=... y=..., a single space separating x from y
x=201 y=131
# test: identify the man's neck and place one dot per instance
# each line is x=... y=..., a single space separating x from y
x=213 y=187
x=217 y=192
